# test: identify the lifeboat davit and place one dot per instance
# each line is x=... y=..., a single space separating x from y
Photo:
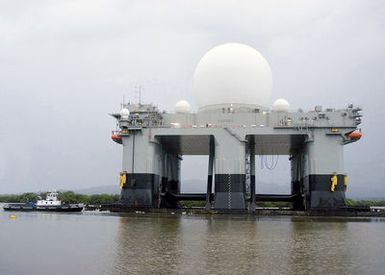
x=355 y=135
x=117 y=138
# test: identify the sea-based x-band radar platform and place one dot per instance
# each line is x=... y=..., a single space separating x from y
x=232 y=88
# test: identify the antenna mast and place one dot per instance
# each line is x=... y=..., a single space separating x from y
x=140 y=94
x=139 y=91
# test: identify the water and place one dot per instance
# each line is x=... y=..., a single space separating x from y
x=87 y=243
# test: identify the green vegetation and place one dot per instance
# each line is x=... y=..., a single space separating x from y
x=351 y=202
x=26 y=197
x=72 y=197
x=279 y=204
x=189 y=204
x=65 y=197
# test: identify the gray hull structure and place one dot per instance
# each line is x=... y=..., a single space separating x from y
x=232 y=135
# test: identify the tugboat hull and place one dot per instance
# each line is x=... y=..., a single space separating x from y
x=18 y=207
x=61 y=208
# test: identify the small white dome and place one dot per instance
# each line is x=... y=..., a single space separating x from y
x=124 y=113
x=232 y=73
x=182 y=107
x=281 y=105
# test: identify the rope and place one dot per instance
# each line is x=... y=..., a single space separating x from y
x=273 y=162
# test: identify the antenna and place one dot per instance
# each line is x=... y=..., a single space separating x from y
x=139 y=91
x=123 y=104
x=140 y=95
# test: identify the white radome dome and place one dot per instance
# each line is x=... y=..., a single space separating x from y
x=182 y=107
x=124 y=113
x=281 y=105
x=232 y=73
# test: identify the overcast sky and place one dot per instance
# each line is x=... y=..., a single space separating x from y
x=64 y=65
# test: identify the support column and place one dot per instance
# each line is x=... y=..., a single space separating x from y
x=230 y=177
x=164 y=179
x=210 y=173
x=170 y=180
x=141 y=171
x=297 y=180
x=173 y=184
x=252 y=173
x=324 y=175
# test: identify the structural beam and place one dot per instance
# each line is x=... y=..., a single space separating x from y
x=252 y=173
x=210 y=172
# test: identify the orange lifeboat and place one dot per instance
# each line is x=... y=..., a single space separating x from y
x=117 y=138
x=355 y=135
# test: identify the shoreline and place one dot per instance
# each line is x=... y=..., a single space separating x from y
x=258 y=212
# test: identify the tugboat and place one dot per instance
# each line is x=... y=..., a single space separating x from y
x=51 y=203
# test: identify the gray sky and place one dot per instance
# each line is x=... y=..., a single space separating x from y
x=65 y=64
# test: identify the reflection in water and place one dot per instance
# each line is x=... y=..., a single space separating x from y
x=317 y=247
x=240 y=245
x=228 y=245
x=147 y=245
x=172 y=244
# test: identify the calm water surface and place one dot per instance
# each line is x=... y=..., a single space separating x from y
x=90 y=243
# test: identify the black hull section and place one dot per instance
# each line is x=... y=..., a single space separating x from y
x=319 y=194
x=230 y=191
x=141 y=190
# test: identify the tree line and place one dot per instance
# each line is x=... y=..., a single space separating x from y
x=65 y=197
x=349 y=202
x=72 y=197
